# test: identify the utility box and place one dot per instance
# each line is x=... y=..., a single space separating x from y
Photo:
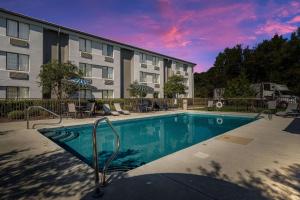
x=185 y=104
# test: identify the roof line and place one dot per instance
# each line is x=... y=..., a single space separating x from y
x=90 y=35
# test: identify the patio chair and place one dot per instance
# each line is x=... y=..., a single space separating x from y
x=91 y=109
x=119 y=109
x=72 y=110
x=291 y=110
x=210 y=105
x=108 y=111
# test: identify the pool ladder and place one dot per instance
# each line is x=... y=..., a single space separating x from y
x=42 y=108
x=98 y=192
x=264 y=112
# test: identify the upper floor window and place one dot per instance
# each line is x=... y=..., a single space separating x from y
x=17 y=29
x=85 y=45
x=18 y=62
x=154 y=61
x=86 y=69
x=17 y=92
x=177 y=66
x=108 y=50
x=143 y=77
x=155 y=78
x=185 y=67
x=143 y=58
x=107 y=72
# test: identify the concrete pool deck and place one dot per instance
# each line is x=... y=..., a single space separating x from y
x=260 y=160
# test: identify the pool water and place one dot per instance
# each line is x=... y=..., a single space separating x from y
x=145 y=139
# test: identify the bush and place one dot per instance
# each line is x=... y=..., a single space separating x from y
x=17 y=114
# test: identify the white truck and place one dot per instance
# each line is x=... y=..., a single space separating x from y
x=274 y=91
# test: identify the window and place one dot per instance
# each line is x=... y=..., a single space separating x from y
x=143 y=58
x=177 y=66
x=106 y=94
x=85 y=94
x=108 y=50
x=154 y=61
x=17 y=29
x=85 y=45
x=143 y=77
x=107 y=72
x=17 y=92
x=18 y=62
x=185 y=67
x=86 y=69
x=155 y=78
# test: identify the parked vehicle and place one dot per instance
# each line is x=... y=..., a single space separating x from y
x=273 y=91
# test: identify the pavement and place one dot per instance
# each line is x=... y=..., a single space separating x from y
x=260 y=160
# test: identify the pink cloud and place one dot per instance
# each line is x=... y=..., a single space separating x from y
x=295 y=20
x=272 y=27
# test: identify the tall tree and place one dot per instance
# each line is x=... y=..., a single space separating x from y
x=53 y=74
x=174 y=86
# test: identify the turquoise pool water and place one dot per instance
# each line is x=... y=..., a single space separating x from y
x=143 y=140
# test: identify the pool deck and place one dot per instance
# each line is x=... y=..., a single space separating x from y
x=260 y=160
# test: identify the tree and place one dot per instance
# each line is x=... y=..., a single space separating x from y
x=52 y=76
x=174 y=86
x=239 y=87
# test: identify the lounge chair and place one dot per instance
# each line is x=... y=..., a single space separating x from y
x=108 y=111
x=119 y=109
x=291 y=110
x=72 y=109
x=91 y=109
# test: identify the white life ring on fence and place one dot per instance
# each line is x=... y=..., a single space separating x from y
x=219 y=121
x=219 y=104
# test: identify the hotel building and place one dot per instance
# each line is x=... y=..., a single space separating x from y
x=27 y=43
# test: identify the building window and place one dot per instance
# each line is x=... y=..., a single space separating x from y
x=143 y=58
x=85 y=94
x=18 y=62
x=17 y=29
x=85 y=45
x=86 y=69
x=107 y=72
x=17 y=92
x=107 y=94
x=185 y=67
x=108 y=50
x=155 y=78
x=154 y=61
x=143 y=77
x=177 y=66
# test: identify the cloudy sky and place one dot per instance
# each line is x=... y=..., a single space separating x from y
x=194 y=30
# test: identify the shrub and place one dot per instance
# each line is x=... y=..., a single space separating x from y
x=17 y=114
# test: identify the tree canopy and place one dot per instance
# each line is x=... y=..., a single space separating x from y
x=52 y=76
x=276 y=60
x=174 y=86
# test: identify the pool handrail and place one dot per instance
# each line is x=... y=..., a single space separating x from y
x=40 y=107
x=98 y=191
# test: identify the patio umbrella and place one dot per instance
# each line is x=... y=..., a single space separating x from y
x=81 y=84
x=143 y=89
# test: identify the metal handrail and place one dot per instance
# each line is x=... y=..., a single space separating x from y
x=98 y=192
x=40 y=107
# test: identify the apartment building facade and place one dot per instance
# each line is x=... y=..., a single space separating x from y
x=110 y=66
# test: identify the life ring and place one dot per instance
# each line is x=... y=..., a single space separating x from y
x=219 y=104
x=219 y=121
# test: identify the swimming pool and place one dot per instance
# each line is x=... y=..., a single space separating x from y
x=144 y=139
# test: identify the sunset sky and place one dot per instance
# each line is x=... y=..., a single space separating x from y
x=194 y=30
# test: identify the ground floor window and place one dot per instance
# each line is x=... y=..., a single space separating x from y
x=85 y=94
x=106 y=94
x=17 y=92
